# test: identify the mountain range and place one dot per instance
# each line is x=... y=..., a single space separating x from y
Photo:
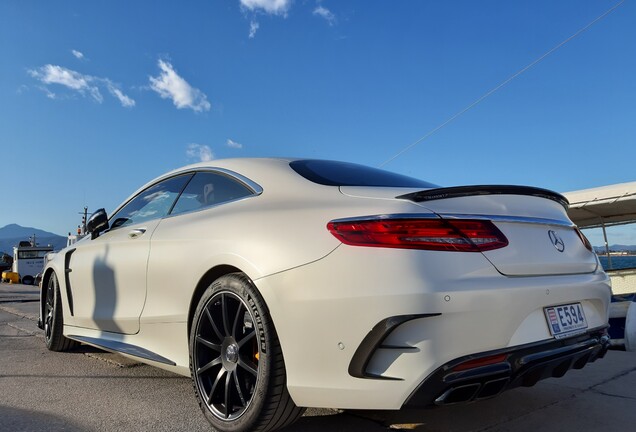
x=12 y=234
x=616 y=248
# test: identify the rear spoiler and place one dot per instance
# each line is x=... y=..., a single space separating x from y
x=463 y=191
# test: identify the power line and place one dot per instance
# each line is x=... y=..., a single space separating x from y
x=502 y=84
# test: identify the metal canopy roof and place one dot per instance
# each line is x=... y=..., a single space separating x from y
x=605 y=205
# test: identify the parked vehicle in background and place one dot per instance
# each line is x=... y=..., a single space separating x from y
x=6 y=261
x=28 y=260
x=278 y=284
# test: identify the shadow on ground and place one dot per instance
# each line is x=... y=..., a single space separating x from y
x=21 y=420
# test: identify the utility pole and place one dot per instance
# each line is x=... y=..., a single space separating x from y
x=84 y=219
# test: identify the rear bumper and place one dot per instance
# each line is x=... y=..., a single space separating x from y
x=363 y=329
x=523 y=366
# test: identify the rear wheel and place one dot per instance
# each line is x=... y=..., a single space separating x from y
x=236 y=361
x=27 y=280
x=54 y=319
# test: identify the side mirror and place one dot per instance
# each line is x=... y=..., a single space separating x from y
x=97 y=223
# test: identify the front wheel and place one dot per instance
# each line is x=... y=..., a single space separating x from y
x=54 y=319
x=236 y=361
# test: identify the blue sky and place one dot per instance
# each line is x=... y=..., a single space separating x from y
x=97 y=98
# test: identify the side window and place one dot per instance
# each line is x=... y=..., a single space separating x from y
x=208 y=189
x=155 y=202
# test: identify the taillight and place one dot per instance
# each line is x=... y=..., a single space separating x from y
x=459 y=235
x=584 y=239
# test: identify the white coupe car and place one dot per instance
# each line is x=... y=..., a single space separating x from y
x=278 y=284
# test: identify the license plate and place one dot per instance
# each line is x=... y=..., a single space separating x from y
x=565 y=320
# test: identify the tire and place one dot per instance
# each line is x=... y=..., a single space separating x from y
x=236 y=362
x=54 y=319
x=27 y=280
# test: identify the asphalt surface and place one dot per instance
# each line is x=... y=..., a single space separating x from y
x=89 y=390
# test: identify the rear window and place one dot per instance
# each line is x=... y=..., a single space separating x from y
x=332 y=173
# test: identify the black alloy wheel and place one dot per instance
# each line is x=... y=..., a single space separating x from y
x=226 y=362
x=49 y=307
x=53 y=318
x=236 y=361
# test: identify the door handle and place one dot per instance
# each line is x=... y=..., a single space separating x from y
x=136 y=233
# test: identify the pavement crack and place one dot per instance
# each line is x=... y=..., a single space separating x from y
x=17 y=313
x=615 y=377
x=613 y=395
x=20 y=329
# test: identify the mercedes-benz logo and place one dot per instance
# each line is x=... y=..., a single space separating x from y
x=231 y=353
x=556 y=240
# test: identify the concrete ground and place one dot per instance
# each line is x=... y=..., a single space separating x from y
x=89 y=390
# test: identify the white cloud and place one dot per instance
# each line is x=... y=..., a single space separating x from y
x=233 y=144
x=53 y=74
x=82 y=84
x=274 y=7
x=123 y=99
x=49 y=94
x=79 y=55
x=253 y=27
x=325 y=13
x=199 y=151
x=169 y=85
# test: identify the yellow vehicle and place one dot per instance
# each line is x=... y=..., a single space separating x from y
x=11 y=277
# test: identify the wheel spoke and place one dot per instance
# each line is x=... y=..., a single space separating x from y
x=247 y=367
x=217 y=380
x=238 y=388
x=248 y=337
x=47 y=326
x=216 y=330
x=224 y=310
x=227 y=395
x=236 y=319
x=214 y=362
x=209 y=344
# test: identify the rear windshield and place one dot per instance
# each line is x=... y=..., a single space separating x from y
x=332 y=173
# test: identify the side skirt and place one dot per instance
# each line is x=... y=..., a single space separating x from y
x=123 y=348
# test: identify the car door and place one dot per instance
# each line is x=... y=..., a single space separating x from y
x=184 y=240
x=108 y=274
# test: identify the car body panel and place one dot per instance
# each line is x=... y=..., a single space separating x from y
x=108 y=279
x=325 y=297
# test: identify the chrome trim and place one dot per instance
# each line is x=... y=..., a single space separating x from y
x=251 y=184
x=191 y=170
x=171 y=215
x=510 y=219
x=494 y=218
x=389 y=216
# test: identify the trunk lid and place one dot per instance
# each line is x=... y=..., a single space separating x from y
x=542 y=239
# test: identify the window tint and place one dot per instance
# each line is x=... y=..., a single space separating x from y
x=208 y=189
x=332 y=173
x=155 y=202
